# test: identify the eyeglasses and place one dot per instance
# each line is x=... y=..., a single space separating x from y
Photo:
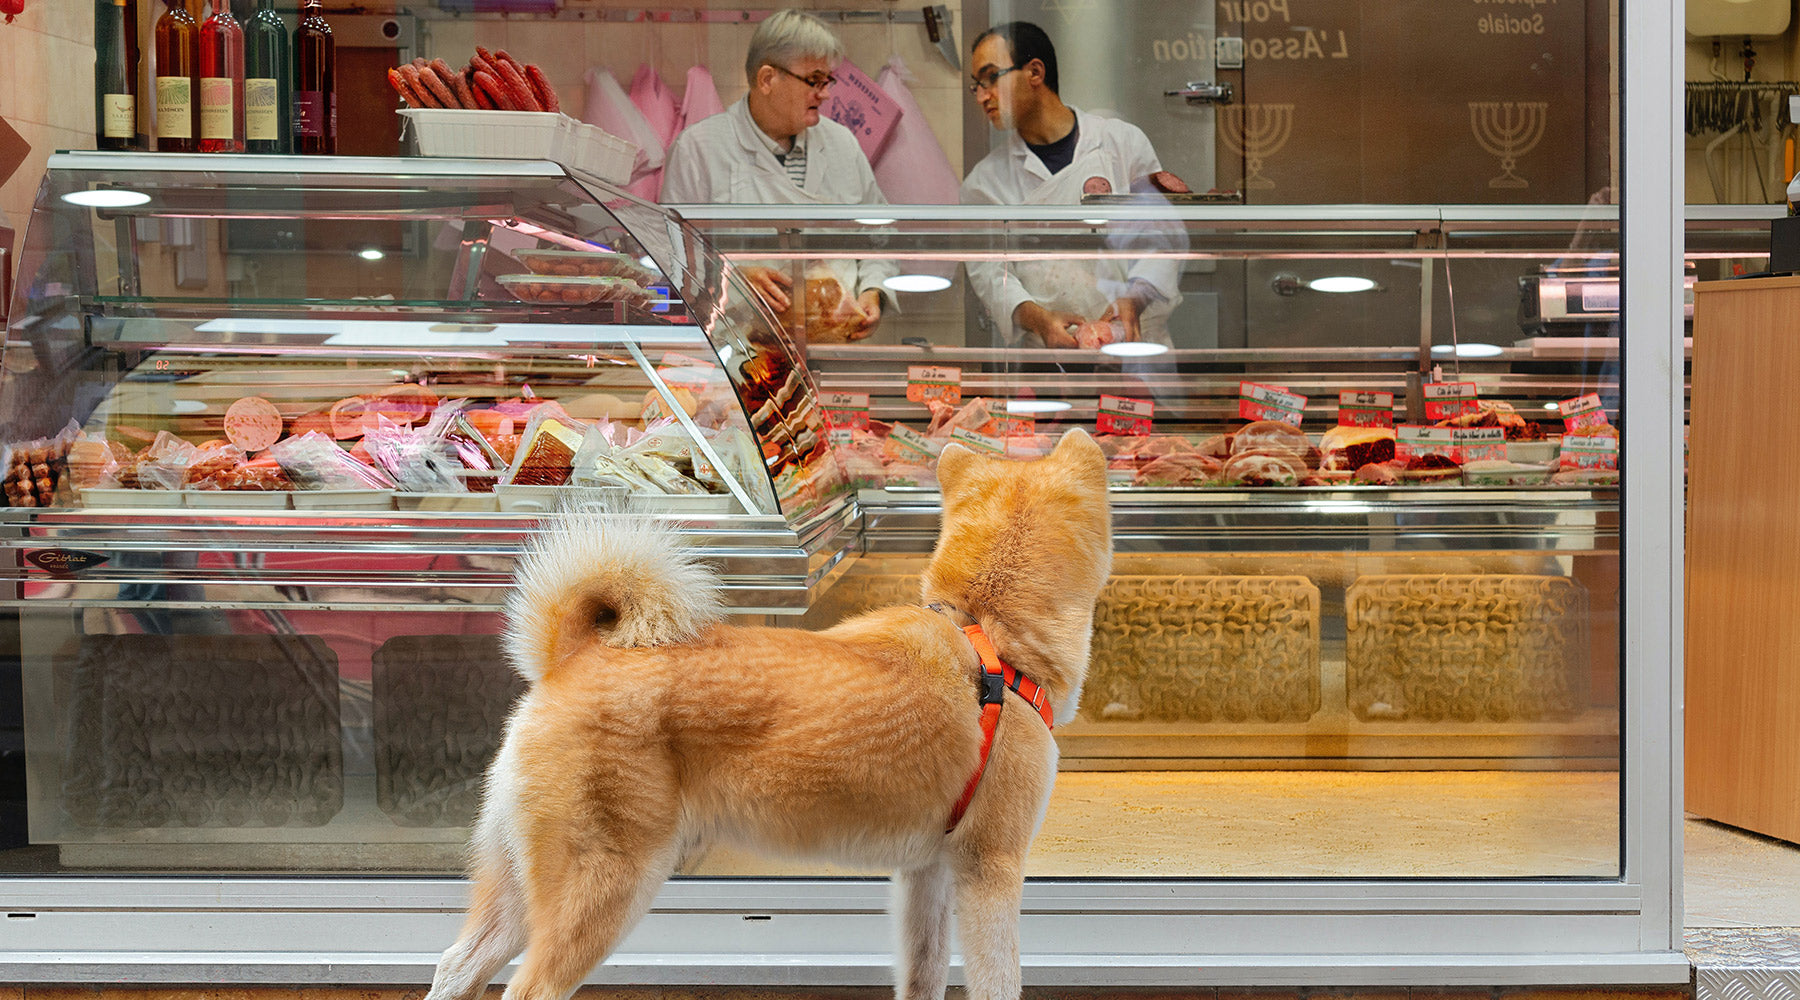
x=817 y=81
x=987 y=80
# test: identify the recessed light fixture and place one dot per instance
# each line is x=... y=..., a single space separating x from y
x=875 y=222
x=1036 y=406
x=916 y=283
x=1133 y=349
x=370 y=253
x=1549 y=406
x=1341 y=283
x=1096 y=222
x=1468 y=350
x=106 y=198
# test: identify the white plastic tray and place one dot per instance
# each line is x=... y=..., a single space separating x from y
x=522 y=135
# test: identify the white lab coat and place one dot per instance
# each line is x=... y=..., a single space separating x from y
x=1107 y=148
x=725 y=159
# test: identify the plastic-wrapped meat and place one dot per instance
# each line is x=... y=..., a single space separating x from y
x=1183 y=469
x=1379 y=474
x=1271 y=437
x=1113 y=445
x=971 y=416
x=1158 y=445
x=1259 y=469
x=1218 y=446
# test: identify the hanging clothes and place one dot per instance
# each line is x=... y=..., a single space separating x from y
x=609 y=107
x=912 y=168
x=700 y=99
x=656 y=102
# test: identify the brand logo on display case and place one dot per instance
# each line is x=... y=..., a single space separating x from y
x=1509 y=130
x=64 y=562
x=1256 y=132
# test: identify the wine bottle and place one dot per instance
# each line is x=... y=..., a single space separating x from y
x=221 y=82
x=315 y=82
x=177 y=78
x=115 y=75
x=268 y=87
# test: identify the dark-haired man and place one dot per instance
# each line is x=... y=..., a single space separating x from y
x=1053 y=155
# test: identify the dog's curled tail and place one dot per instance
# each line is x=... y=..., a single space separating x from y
x=618 y=579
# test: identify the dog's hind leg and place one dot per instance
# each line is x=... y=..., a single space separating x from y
x=989 y=889
x=922 y=914
x=583 y=897
x=493 y=934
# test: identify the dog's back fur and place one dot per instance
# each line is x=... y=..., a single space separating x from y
x=652 y=728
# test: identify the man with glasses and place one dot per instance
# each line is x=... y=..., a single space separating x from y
x=1054 y=155
x=773 y=147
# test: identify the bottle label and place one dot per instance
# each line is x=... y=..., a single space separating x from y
x=309 y=113
x=260 y=120
x=175 y=107
x=120 y=117
x=216 y=111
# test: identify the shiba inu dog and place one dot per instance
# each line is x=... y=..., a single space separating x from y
x=651 y=729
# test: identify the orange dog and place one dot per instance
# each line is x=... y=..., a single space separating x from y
x=652 y=729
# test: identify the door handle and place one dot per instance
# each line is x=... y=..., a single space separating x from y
x=1202 y=92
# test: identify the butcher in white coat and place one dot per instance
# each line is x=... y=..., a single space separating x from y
x=1052 y=155
x=773 y=148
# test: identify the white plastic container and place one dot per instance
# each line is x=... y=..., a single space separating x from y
x=103 y=497
x=591 y=149
x=238 y=499
x=486 y=135
x=474 y=502
x=343 y=499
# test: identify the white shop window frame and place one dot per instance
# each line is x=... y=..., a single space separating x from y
x=1111 y=933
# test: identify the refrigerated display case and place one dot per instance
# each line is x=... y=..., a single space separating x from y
x=1419 y=681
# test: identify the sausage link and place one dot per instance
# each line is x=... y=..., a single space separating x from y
x=410 y=74
x=517 y=90
x=458 y=85
x=540 y=85
x=399 y=84
x=496 y=93
x=441 y=75
x=440 y=91
x=480 y=96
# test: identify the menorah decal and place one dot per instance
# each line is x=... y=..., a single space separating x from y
x=1509 y=130
x=1256 y=132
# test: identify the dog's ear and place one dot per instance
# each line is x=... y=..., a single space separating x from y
x=953 y=467
x=1077 y=450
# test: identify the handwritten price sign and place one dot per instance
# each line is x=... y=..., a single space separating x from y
x=846 y=410
x=1365 y=409
x=1410 y=440
x=907 y=445
x=1269 y=402
x=1477 y=444
x=1123 y=415
x=1581 y=413
x=928 y=382
x=1589 y=451
x=1444 y=400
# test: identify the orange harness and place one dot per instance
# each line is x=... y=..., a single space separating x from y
x=996 y=677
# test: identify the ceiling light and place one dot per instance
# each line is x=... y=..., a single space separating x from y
x=1341 y=283
x=1549 y=406
x=1096 y=222
x=1133 y=349
x=1036 y=406
x=106 y=198
x=370 y=253
x=916 y=283
x=1468 y=350
x=875 y=222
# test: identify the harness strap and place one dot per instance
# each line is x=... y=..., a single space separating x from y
x=996 y=677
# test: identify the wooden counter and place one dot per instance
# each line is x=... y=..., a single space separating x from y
x=1743 y=557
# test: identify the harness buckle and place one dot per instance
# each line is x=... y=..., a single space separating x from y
x=993 y=688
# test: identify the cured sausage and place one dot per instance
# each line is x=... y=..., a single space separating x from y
x=540 y=85
x=252 y=423
x=440 y=90
x=496 y=93
x=459 y=88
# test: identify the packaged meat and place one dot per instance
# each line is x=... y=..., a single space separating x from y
x=586 y=264
x=313 y=461
x=1261 y=469
x=547 y=450
x=973 y=415
x=252 y=423
x=570 y=290
x=1271 y=437
x=822 y=310
x=1431 y=469
x=1181 y=469
x=1350 y=448
x=1379 y=474
x=213 y=466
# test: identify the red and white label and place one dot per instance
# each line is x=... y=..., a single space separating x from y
x=1012 y=427
x=1411 y=440
x=1124 y=415
x=981 y=444
x=905 y=444
x=928 y=382
x=1582 y=412
x=1444 y=400
x=1478 y=444
x=1589 y=451
x=845 y=410
x=1270 y=402
x=1365 y=409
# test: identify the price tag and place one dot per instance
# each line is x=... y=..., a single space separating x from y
x=1365 y=409
x=846 y=410
x=1012 y=427
x=1444 y=400
x=843 y=436
x=940 y=382
x=1582 y=412
x=1589 y=451
x=1269 y=402
x=1124 y=415
x=980 y=443
x=1410 y=440
x=1478 y=444
x=907 y=445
